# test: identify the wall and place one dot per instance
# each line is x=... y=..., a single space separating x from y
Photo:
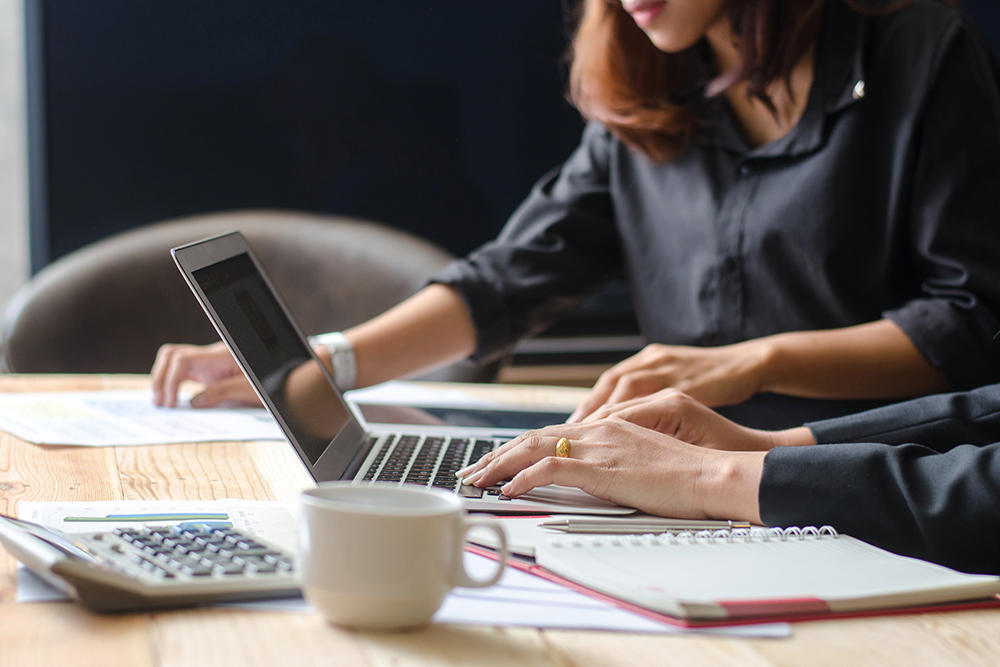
x=13 y=181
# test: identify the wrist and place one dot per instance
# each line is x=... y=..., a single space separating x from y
x=729 y=484
x=794 y=437
x=762 y=354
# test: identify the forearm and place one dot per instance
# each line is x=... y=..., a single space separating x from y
x=430 y=329
x=868 y=361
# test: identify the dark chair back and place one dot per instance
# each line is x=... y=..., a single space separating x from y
x=107 y=308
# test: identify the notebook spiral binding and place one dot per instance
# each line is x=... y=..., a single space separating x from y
x=703 y=537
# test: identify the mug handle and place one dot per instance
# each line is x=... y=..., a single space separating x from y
x=462 y=577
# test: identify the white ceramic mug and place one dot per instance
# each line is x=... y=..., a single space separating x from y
x=384 y=556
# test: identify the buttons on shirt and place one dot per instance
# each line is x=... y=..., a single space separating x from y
x=745 y=169
x=859 y=90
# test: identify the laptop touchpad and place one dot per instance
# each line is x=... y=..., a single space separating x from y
x=564 y=495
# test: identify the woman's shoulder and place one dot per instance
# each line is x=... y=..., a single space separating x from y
x=920 y=32
x=911 y=45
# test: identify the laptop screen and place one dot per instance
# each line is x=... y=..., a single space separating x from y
x=300 y=394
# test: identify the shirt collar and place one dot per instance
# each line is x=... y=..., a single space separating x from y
x=838 y=83
x=843 y=42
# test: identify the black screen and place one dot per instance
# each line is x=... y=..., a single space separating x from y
x=299 y=392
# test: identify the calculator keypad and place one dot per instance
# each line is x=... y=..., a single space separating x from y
x=199 y=551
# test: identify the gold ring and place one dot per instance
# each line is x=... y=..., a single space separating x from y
x=562 y=448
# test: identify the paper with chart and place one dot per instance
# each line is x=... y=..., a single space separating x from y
x=272 y=521
x=105 y=418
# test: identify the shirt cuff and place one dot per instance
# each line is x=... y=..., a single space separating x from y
x=485 y=306
x=943 y=336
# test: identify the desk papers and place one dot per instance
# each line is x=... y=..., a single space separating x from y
x=519 y=600
x=115 y=418
x=125 y=418
x=526 y=601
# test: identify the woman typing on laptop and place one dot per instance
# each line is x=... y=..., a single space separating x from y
x=799 y=191
x=667 y=454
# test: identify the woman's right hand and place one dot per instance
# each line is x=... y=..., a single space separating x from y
x=212 y=365
x=629 y=465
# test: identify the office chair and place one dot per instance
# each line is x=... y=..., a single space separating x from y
x=107 y=308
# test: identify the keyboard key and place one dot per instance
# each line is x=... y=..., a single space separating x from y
x=260 y=567
x=470 y=491
x=259 y=551
x=228 y=568
x=481 y=449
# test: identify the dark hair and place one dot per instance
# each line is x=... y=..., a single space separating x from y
x=644 y=96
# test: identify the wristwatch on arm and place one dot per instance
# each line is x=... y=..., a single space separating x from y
x=342 y=359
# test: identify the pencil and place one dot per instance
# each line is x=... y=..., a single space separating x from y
x=639 y=526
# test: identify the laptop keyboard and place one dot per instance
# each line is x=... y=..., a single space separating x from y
x=427 y=460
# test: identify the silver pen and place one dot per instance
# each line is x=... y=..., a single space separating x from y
x=640 y=526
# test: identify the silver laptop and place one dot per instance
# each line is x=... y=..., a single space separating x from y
x=331 y=439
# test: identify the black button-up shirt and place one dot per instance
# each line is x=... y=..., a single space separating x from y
x=882 y=201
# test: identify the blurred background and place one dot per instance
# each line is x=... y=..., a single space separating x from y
x=432 y=117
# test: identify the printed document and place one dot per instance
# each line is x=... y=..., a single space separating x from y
x=105 y=418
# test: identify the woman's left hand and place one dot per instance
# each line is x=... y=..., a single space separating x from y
x=629 y=465
x=715 y=376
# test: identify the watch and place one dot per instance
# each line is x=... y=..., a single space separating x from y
x=342 y=359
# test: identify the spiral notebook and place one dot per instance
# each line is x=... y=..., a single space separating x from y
x=744 y=575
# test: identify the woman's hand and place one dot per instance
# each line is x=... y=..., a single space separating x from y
x=713 y=375
x=212 y=365
x=630 y=465
x=676 y=414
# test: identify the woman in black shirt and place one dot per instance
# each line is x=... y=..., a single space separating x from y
x=800 y=193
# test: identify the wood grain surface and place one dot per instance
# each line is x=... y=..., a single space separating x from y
x=65 y=634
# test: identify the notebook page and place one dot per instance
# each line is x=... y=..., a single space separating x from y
x=661 y=575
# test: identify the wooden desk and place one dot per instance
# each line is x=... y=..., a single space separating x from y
x=65 y=634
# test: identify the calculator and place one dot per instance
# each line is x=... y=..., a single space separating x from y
x=154 y=567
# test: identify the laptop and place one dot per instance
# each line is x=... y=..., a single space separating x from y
x=330 y=437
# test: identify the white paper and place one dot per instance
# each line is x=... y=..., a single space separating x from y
x=409 y=393
x=526 y=601
x=32 y=588
x=105 y=418
x=519 y=600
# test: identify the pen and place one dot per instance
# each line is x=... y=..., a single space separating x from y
x=639 y=527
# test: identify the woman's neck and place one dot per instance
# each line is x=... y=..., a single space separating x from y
x=758 y=123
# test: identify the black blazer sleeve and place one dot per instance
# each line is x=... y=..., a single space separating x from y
x=938 y=500
x=909 y=499
x=940 y=422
